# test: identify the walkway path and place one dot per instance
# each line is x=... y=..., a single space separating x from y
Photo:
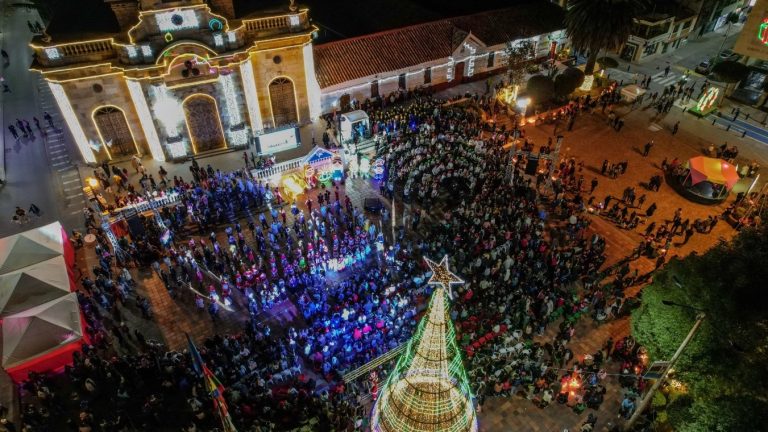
x=32 y=174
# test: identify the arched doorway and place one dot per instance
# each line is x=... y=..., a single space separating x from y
x=114 y=132
x=203 y=123
x=283 y=101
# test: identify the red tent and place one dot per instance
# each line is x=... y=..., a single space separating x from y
x=713 y=170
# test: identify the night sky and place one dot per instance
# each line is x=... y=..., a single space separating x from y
x=337 y=19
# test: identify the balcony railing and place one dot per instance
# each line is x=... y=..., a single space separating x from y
x=86 y=48
x=268 y=26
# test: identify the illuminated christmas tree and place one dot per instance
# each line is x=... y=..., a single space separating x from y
x=429 y=391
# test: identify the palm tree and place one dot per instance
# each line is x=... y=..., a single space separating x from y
x=596 y=24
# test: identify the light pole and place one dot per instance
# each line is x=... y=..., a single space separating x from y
x=725 y=37
x=649 y=395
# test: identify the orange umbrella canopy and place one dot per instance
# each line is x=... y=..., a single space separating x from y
x=713 y=170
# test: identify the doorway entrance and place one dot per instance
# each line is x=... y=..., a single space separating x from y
x=114 y=131
x=203 y=123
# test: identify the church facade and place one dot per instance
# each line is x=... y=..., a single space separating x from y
x=181 y=77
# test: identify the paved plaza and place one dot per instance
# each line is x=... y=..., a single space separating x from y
x=591 y=141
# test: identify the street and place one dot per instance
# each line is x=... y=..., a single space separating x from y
x=39 y=169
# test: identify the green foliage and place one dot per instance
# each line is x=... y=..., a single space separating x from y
x=593 y=25
x=724 y=367
x=540 y=88
x=568 y=81
x=607 y=62
x=519 y=55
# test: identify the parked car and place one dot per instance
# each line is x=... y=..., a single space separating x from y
x=728 y=55
x=704 y=67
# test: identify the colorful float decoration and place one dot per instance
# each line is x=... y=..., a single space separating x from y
x=322 y=166
x=377 y=170
x=337 y=165
x=706 y=103
x=364 y=167
x=294 y=185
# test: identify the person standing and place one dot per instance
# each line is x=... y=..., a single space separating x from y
x=651 y=210
x=48 y=119
x=647 y=148
x=135 y=162
x=675 y=128
x=593 y=186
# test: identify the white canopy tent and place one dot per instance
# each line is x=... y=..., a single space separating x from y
x=30 y=247
x=34 y=285
x=40 y=330
x=632 y=92
x=40 y=322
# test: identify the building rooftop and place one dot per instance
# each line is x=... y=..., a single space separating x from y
x=358 y=57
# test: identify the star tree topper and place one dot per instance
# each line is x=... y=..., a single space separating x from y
x=442 y=275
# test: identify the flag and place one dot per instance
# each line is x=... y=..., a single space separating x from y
x=212 y=385
x=197 y=360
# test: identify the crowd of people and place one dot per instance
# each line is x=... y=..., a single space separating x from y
x=232 y=243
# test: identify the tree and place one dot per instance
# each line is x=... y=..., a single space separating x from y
x=519 y=55
x=429 y=382
x=593 y=25
x=607 y=62
x=568 y=81
x=730 y=72
x=724 y=366
x=540 y=88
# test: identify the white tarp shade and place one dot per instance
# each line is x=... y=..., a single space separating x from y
x=351 y=120
x=34 y=285
x=40 y=330
x=632 y=92
x=30 y=247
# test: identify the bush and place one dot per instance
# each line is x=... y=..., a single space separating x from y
x=541 y=89
x=568 y=81
x=730 y=71
x=607 y=62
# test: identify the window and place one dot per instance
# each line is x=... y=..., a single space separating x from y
x=401 y=81
x=375 y=89
x=427 y=75
x=52 y=53
x=491 y=58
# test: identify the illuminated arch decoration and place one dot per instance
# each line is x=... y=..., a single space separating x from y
x=114 y=131
x=215 y=25
x=762 y=31
x=205 y=133
x=179 y=63
x=183 y=47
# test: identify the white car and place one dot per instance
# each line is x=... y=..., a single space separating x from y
x=728 y=55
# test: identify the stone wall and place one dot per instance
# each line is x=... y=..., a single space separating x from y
x=267 y=67
x=87 y=95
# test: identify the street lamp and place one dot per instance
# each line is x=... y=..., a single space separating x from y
x=649 y=395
